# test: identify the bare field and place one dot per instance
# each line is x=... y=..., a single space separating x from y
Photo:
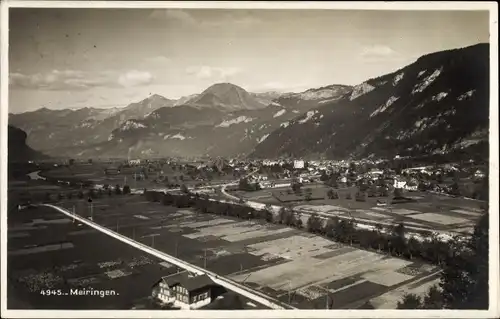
x=273 y=259
x=95 y=172
x=427 y=211
x=49 y=251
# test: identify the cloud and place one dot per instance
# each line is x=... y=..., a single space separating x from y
x=272 y=86
x=282 y=87
x=56 y=80
x=214 y=73
x=158 y=60
x=234 y=19
x=75 y=80
x=239 y=18
x=377 y=51
x=135 y=78
x=178 y=15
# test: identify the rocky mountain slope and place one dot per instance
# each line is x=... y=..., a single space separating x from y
x=222 y=120
x=18 y=151
x=49 y=130
x=231 y=126
x=436 y=105
x=226 y=97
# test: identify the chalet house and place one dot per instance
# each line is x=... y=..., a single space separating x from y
x=184 y=290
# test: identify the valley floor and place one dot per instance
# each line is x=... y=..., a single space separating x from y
x=304 y=270
x=49 y=252
x=432 y=212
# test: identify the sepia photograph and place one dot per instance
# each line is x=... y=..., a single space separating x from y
x=249 y=159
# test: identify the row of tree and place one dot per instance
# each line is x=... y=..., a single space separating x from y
x=91 y=193
x=245 y=185
x=465 y=265
x=464 y=279
x=392 y=241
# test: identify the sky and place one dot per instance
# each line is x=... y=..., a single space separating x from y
x=72 y=58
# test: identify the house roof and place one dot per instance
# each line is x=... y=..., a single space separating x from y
x=191 y=283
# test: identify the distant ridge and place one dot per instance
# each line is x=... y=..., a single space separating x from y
x=18 y=151
x=437 y=105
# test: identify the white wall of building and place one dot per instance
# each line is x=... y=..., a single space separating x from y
x=166 y=296
x=298 y=164
x=399 y=184
x=200 y=303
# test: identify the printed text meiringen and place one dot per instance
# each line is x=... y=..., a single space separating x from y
x=92 y=292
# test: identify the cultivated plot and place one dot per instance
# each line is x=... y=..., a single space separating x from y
x=279 y=261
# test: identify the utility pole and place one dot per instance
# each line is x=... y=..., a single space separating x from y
x=205 y=258
x=91 y=208
x=176 y=246
x=326 y=295
x=135 y=178
x=153 y=236
x=133 y=233
x=289 y=291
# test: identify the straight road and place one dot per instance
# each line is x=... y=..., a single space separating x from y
x=253 y=295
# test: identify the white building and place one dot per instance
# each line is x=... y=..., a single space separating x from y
x=270 y=163
x=479 y=174
x=134 y=162
x=398 y=183
x=184 y=290
x=298 y=164
x=411 y=188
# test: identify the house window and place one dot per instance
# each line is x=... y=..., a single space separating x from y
x=195 y=298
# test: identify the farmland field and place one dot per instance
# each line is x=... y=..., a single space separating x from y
x=285 y=263
x=46 y=250
x=426 y=211
x=95 y=172
x=304 y=270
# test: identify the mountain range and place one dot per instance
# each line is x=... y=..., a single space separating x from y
x=438 y=104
